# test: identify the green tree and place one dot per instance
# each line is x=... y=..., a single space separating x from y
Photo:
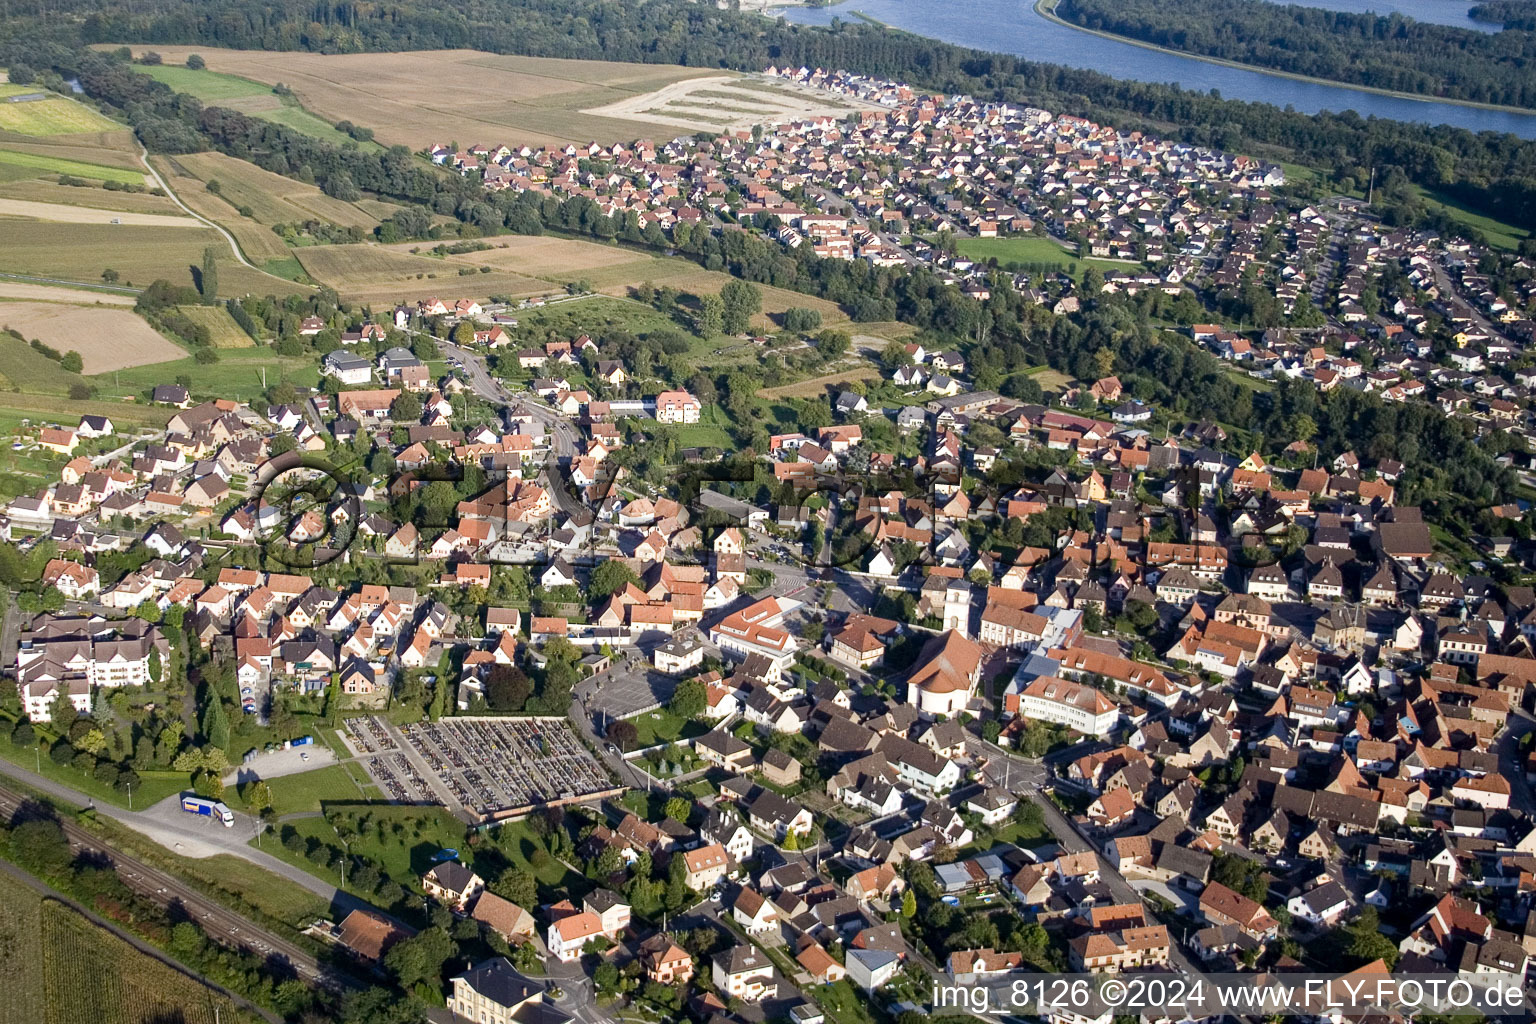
x=609 y=578
x=208 y=279
x=711 y=318
x=677 y=808
x=909 y=904
x=405 y=407
x=420 y=957
x=689 y=699
x=72 y=362
x=741 y=301
x=519 y=886
x=39 y=846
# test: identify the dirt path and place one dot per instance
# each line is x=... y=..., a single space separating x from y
x=48 y=293
x=90 y=215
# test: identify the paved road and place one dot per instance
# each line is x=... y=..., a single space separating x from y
x=220 y=923
x=166 y=188
x=190 y=836
x=93 y=285
x=1511 y=764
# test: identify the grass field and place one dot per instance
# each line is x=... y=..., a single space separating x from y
x=21 y=929
x=92 y=975
x=515 y=100
x=246 y=96
x=42 y=407
x=236 y=375
x=56 y=115
x=24 y=367
x=221 y=326
x=1029 y=249
x=308 y=791
x=106 y=338
x=1497 y=232
x=31 y=164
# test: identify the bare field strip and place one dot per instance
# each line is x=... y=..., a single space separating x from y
x=510 y=99
x=780 y=104
x=50 y=293
x=816 y=387
x=369 y=273
x=90 y=215
x=107 y=339
x=535 y=255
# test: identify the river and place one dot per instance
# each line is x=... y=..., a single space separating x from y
x=1013 y=26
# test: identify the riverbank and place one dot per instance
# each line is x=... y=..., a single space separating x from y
x=1047 y=10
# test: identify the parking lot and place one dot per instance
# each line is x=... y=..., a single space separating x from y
x=488 y=764
x=624 y=691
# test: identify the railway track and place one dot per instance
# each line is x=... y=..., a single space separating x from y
x=221 y=924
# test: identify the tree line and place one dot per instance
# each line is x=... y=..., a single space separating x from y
x=1493 y=172
x=1381 y=51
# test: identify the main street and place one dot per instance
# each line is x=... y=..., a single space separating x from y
x=562 y=433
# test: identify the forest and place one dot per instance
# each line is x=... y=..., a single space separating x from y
x=1491 y=172
x=1512 y=14
x=1383 y=52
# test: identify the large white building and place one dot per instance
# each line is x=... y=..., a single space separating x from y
x=1075 y=705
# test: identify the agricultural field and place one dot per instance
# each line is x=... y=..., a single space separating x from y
x=376 y=274
x=248 y=97
x=16 y=164
x=515 y=100
x=107 y=338
x=52 y=115
x=614 y=270
x=72 y=214
x=38 y=190
x=58 y=293
x=221 y=327
x=140 y=255
x=90 y=974
x=21 y=970
x=270 y=199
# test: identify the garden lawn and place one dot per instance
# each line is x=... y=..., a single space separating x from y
x=662 y=726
